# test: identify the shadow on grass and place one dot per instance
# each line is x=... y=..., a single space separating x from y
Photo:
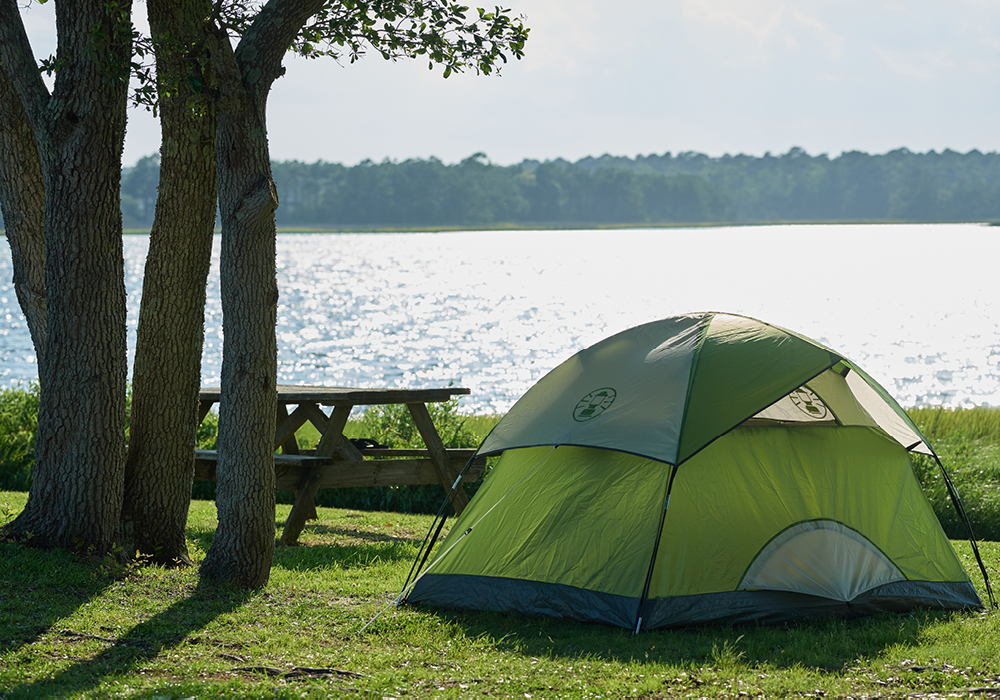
x=142 y=643
x=824 y=644
x=330 y=530
x=40 y=587
x=369 y=548
x=321 y=556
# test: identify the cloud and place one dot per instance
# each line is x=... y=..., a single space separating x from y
x=831 y=41
x=922 y=65
x=563 y=39
x=758 y=18
x=762 y=26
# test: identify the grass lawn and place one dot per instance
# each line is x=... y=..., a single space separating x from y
x=76 y=627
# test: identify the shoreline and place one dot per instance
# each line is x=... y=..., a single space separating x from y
x=592 y=227
x=456 y=228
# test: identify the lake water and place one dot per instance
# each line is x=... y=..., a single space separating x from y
x=915 y=305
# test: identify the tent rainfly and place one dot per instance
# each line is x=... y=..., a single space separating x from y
x=701 y=468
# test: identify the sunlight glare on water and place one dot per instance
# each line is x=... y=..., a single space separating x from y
x=915 y=305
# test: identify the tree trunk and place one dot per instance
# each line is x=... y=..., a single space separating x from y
x=78 y=479
x=166 y=377
x=22 y=200
x=243 y=547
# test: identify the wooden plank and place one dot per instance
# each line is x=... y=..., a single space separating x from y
x=339 y=395
x=291 y=470
x=446 y=475
x=287 y=425
x=455 y=457
x=315 y=416
x=204 y=470
x=453 y=453
x=211 y=456
x=331 y=443
x=397 y=472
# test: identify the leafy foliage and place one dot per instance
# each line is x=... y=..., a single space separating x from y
x=436 y=29
x=18 y=421
x=208 y=431
x=393 y=426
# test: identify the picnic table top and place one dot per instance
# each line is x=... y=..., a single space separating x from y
x=349 y=396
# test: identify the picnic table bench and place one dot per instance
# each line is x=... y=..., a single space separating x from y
x=337 y=462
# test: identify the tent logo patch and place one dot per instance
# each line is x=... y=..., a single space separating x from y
x=810 y=404
x=594 y=404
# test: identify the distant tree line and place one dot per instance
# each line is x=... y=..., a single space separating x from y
x=681 y=188
x=854 y=186
x=476 y=192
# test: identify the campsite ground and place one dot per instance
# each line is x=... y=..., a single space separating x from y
x=74 y=626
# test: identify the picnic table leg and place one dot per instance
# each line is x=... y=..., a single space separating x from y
x=303 y=509
x=285 y=431
x=422 y=419
x=305 y=500
x=290 y=447
x=203 y=408
x=333 y=441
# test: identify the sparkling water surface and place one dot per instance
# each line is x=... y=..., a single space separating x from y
x=915 y=305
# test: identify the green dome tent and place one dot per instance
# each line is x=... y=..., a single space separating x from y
x=706 y=467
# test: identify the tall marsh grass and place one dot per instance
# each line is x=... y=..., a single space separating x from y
x=972 y=423
x=968 y=442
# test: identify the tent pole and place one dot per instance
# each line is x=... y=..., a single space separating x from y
x=415 y=569
x=960 y=509
x=656 y=548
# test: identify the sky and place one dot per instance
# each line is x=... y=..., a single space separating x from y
x=653 y=76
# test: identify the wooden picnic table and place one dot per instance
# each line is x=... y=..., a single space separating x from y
x=336 y=462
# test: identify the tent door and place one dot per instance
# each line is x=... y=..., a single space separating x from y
x=823 y=558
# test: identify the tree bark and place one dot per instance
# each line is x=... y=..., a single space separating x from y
x=159 y=467
x=22 y=200
x=78 y=478
x=243 y=547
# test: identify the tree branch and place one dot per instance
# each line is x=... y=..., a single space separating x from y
x=16 y=55
x=22 y=200
x=262 y=47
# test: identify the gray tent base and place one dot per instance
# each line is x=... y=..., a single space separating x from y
x=548 y=600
